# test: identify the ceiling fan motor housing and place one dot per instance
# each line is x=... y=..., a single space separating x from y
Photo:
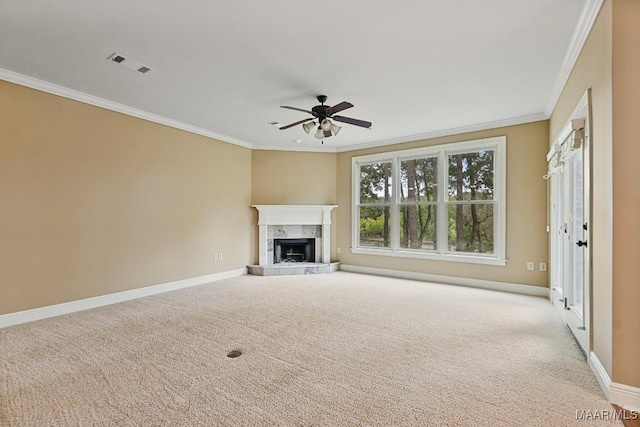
x=320 y=111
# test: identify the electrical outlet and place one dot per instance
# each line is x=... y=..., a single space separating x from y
x=215 y=256
x=531 y=266
x=339 y=251
x=543 y=266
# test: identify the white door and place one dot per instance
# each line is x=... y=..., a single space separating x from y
x=569 y=170
x=558 y=231
x=576 y=258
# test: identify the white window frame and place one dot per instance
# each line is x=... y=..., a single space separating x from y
x=497 y=144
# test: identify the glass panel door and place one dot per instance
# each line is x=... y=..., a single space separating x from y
x=558 y=231
x=577 y=290
x=576 y=260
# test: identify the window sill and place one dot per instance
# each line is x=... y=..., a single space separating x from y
x=470 y=259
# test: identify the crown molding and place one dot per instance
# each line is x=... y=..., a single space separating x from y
x=75 y=95
x=412 y=138
x=586 y=20
x=299 y=148
x=583 y=28
x=448 y=132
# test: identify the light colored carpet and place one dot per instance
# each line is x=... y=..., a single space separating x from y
x=339 y=349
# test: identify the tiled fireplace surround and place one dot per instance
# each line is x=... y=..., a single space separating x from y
x=294 y=232
x=294 y=222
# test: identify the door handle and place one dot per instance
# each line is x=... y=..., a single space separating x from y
x=582 y=243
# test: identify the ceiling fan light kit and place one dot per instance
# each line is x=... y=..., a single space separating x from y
x=323 y=114
x=308 y=127
x=326 y=124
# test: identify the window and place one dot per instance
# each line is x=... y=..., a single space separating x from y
x=443 y=202
x=418 y=203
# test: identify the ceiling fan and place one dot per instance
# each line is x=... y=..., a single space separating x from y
x=324 y=115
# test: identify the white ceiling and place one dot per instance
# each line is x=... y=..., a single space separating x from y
x=413 y=68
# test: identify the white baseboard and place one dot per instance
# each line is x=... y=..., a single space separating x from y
x=99 y=301
x=450 y=280
x=625 y=396
x=621 y=394
x=600 y=373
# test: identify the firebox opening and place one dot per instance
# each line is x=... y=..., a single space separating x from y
x=294 y=250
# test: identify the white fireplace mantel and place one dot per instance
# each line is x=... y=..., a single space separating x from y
x=269 y=215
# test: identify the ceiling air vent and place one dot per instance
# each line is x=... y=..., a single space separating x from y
x=129 y=63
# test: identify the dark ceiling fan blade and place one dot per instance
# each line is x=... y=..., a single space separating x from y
x=327 y=133
x=296 y=109
x=339 y=107
x=296 y=123
x=349 y=120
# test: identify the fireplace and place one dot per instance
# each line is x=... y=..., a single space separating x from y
x=294 y=239
x=308 y=223
x=294 y=250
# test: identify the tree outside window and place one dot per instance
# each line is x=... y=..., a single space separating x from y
x=437 y=202
x=375 y=202
x=418 y=208
x=471 y=199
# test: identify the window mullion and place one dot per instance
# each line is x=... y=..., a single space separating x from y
x=395 y=199
x=355 y=213
x=443 y=217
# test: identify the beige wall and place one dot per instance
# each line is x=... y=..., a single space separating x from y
x=593 y=70
x=526 y=210
x=293 y=178
x=626 y=197
x=94 y=202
